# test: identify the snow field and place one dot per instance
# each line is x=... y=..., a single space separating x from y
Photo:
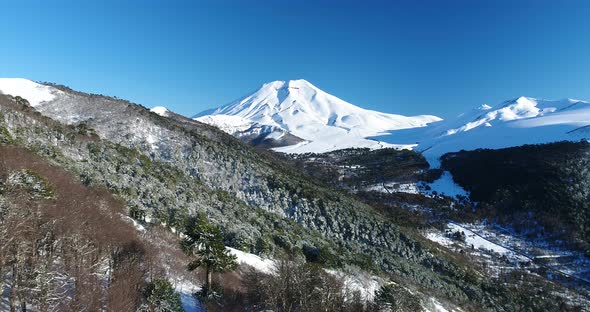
x=33 y=92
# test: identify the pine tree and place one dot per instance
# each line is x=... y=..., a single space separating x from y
x=394 y=298
x=161 y=297
x=205 y=241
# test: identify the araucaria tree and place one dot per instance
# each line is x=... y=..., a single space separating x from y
x=204 y=241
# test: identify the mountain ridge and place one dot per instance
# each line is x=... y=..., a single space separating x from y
x=520 y=121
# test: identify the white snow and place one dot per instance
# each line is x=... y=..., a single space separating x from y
x=362 y=282
x=443 y=186
x=475 y=240
x=439 y=238
x=227 y=123
x=433 y=305
x=327 y=123
x=478 y=242
x=512 y=123
x=33 y=92
x=446 y=186
x=258 y=263
x=160 y=110
x=395 y=187
x=324 y=121
x=136 y=224
x=490 y=239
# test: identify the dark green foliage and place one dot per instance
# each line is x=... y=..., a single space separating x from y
x=321 y=255
x=395 y=298
x=223 y=196
x=459 y=236
x=263 y=246
x=85 y=130
x=352 y=168
x=204 y=241
x=431 y=175
x=160 y=296
x=136 y=213
x=5 y=137
x=22 y=102
x=550 y=182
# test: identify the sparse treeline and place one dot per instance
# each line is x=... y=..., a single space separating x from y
x=296 y=285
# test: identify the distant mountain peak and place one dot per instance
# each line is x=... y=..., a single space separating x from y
x=518 y=121
x=484 y=107
x=324 y=121
x=295 y=83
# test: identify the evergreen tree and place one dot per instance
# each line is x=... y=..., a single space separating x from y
x=204 y=241
x=394 y=298
x=161 y=297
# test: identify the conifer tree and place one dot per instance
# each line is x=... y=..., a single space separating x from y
x=204 y=241
x=161 y=297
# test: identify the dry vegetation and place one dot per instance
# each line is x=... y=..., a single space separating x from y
x=70 y=251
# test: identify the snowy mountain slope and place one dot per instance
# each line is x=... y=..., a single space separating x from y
x=295 y=117
x=226 y=123
x=33 y=92
x=512 y=123
x=324 y=121
x=251 y=132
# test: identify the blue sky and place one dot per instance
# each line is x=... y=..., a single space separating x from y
x=408 y=57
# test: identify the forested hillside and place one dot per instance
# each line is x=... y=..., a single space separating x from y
x=167 y=169
x=546 y=185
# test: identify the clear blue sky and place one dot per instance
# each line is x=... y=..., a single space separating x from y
x=408 y=57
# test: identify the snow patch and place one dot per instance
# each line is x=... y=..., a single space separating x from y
x=160 y=110
x=395 y=187
x=446 y=186
x=473 y=240
x=134 y=222
x=363 y=283
x=227 y=123
x=33 y=92
x=263 y=265
x=433 y=305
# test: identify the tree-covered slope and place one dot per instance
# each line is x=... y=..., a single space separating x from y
x=545 y=184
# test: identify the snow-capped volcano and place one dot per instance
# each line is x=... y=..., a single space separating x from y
x=324 y=121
